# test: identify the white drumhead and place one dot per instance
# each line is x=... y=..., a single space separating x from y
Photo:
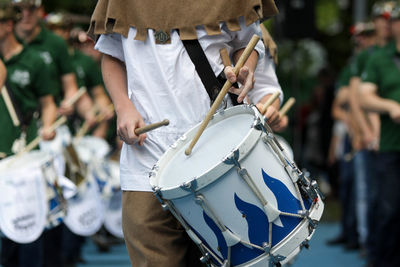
x=32 y=159
x=214 y=145
x=226 y=132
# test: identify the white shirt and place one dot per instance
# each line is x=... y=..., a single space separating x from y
x=163 y=84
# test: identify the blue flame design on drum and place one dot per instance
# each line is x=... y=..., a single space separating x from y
x=257 y=221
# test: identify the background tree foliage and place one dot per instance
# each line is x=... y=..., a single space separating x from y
x=79 y=7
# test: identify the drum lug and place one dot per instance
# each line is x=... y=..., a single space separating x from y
x=259 y=125
x=305 y=244
x=205 y=258
x=315 y=186
x=233 y=159
x=157 y=194
x=312 y=224
x=267 y=247
x=190 y=186
x=275 y=260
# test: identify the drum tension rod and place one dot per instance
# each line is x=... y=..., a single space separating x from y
x=168 y=206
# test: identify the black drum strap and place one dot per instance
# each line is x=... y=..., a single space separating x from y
x=203 y=68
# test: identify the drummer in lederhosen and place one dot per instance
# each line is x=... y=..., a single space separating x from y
x=29 y=89
x=150 y=76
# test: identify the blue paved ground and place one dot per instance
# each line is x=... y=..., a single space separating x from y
x=319 y=255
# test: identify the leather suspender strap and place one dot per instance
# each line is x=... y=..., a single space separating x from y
x=203 y=68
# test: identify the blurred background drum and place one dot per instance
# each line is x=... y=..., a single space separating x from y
x=23 y=202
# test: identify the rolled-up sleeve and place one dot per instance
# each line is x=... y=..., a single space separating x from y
x=242 y=38
x=111 y=44
x=266 y=81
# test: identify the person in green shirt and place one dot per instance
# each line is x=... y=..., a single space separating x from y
x=380 y=92
x=54 y=51
x=369 y=127
x=87 y=71
x=26 y=82
x=27 y=78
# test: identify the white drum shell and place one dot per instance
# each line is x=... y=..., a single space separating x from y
x=85 y=211
x=222 y=186
x=23 y=196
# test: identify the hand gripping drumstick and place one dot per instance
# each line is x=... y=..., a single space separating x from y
x=10 y=107
x=99 y=118
x=76 y=96
x=270 y=101
x=243 y=58
x=287 y=106
x=151 y=127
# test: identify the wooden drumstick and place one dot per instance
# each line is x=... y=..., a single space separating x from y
x=225 y=57
x=55 y=125
x=243 y=58
x=99 y=118
x=10 y=107
x=151 y=127
x=288 y=105
x=76 y=96
x=36 y=141
x=270 y=101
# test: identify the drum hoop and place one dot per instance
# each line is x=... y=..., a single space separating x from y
x=39 y=159
x=220 y=168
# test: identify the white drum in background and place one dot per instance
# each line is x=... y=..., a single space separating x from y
x=56 y=147
x=243 y=201
x=23 y=203
x=113 y=216
x=92 y=151
x=85 y=212
x=113 y=200
x=90 y=147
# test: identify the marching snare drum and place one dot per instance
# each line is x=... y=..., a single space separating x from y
x=85 y=211
x=56 y=147
x=90 y=147
x=23 y=203
x=239 y=197
x=113 y=216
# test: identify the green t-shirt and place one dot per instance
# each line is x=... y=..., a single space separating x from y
x=27 y=77
x=344 y=77
x=87 y=71
x=360 y=62
x=382 y=71
x=54 y=52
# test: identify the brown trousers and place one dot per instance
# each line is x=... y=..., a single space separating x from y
x=154 y=237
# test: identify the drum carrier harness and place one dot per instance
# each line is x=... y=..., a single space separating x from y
x=211 y=83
